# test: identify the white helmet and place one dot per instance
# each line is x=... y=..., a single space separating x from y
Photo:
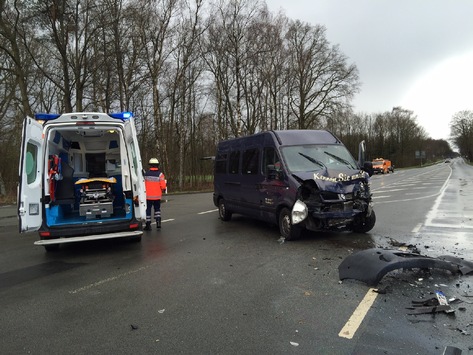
x=153 y=161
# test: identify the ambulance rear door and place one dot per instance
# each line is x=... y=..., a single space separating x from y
x=31 y=166
x=136 y=167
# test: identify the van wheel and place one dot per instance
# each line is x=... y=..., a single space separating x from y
x=223 y=213
x=287 y=230
x=51 y=247
x=365 y=223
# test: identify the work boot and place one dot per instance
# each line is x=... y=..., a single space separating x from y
x=158 y=223
x=148 y=226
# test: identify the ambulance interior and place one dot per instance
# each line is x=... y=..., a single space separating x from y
x=86 y=176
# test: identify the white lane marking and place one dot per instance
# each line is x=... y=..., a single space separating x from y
x=352 y=325
x=210 y=211
x=383 y=196
x=113 y=278
x=434 y=211
x=408 y=199
x=417 y=228
x=440 y=192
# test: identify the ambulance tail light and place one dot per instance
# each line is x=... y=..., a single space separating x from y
x=134 y=226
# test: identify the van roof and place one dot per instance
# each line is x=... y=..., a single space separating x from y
x=284 y=137
x=305 y=136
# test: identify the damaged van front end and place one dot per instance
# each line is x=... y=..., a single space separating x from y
x=334 y=200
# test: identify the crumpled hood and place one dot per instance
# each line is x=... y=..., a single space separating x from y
x=338 y=181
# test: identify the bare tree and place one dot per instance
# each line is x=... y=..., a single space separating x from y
x=323 y=82
x=461 y=132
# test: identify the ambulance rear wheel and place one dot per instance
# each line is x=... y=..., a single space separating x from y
x=223 y=212
x=286 y=228
x=51 y=247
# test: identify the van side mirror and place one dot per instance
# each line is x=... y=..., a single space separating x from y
x=368 y=167
x=273 y=173
x=361 y=153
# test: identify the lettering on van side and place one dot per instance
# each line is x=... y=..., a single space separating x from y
x=269 y=201
x=340 y=177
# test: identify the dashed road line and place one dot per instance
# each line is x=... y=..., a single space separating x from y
x=354 y=322
x=109 y=279
x=209 y=211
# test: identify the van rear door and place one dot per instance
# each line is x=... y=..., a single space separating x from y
x=136 y=167
x=31 y=167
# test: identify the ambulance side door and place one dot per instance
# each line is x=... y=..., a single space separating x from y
x=30 y=211
x=137 y=178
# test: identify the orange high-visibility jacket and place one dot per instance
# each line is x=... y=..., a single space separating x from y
x=155 y=183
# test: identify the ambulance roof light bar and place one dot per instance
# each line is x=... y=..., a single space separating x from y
x=122 y=115
x=52 y=116
x=46 y=116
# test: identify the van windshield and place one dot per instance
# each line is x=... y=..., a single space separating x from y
x=317 y=157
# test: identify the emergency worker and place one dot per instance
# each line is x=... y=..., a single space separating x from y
x=155 y=186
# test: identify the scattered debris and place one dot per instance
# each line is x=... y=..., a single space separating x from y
x=432 y=305
x=294 y=343
x=404 y=246
x=452 y=350
x=443 y=301
x=463 y=331
x=382 y=291
x=133 y=327
x=371 y=265
x=433 y=309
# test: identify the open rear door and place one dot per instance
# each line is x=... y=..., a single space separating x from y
x=31 y=176
x=136 y=168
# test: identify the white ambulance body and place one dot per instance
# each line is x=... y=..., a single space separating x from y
x=81 y=178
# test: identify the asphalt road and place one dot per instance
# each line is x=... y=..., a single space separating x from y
x=203 y=286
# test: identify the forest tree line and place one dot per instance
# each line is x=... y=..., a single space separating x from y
x=193 y=72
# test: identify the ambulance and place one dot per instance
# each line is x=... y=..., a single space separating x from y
x=81 y=178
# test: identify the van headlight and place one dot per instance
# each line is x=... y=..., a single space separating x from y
x=299 y=212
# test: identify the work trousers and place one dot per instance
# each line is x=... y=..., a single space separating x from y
x=157 y=210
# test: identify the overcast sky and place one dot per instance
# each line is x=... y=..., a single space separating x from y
x=417 y=54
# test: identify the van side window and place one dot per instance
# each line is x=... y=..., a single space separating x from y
x=270 y=158
x=234 y=162
x=250 y=161
x=221 y=163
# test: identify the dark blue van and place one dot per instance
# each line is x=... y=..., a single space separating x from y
x=298 y=179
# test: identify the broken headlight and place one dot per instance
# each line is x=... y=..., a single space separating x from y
x=362 y=191
x=299 y=212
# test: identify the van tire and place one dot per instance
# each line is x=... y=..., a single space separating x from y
x=365 y=223
x=223 y=212
x=287 y=230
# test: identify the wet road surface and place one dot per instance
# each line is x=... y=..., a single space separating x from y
x=203 y=286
